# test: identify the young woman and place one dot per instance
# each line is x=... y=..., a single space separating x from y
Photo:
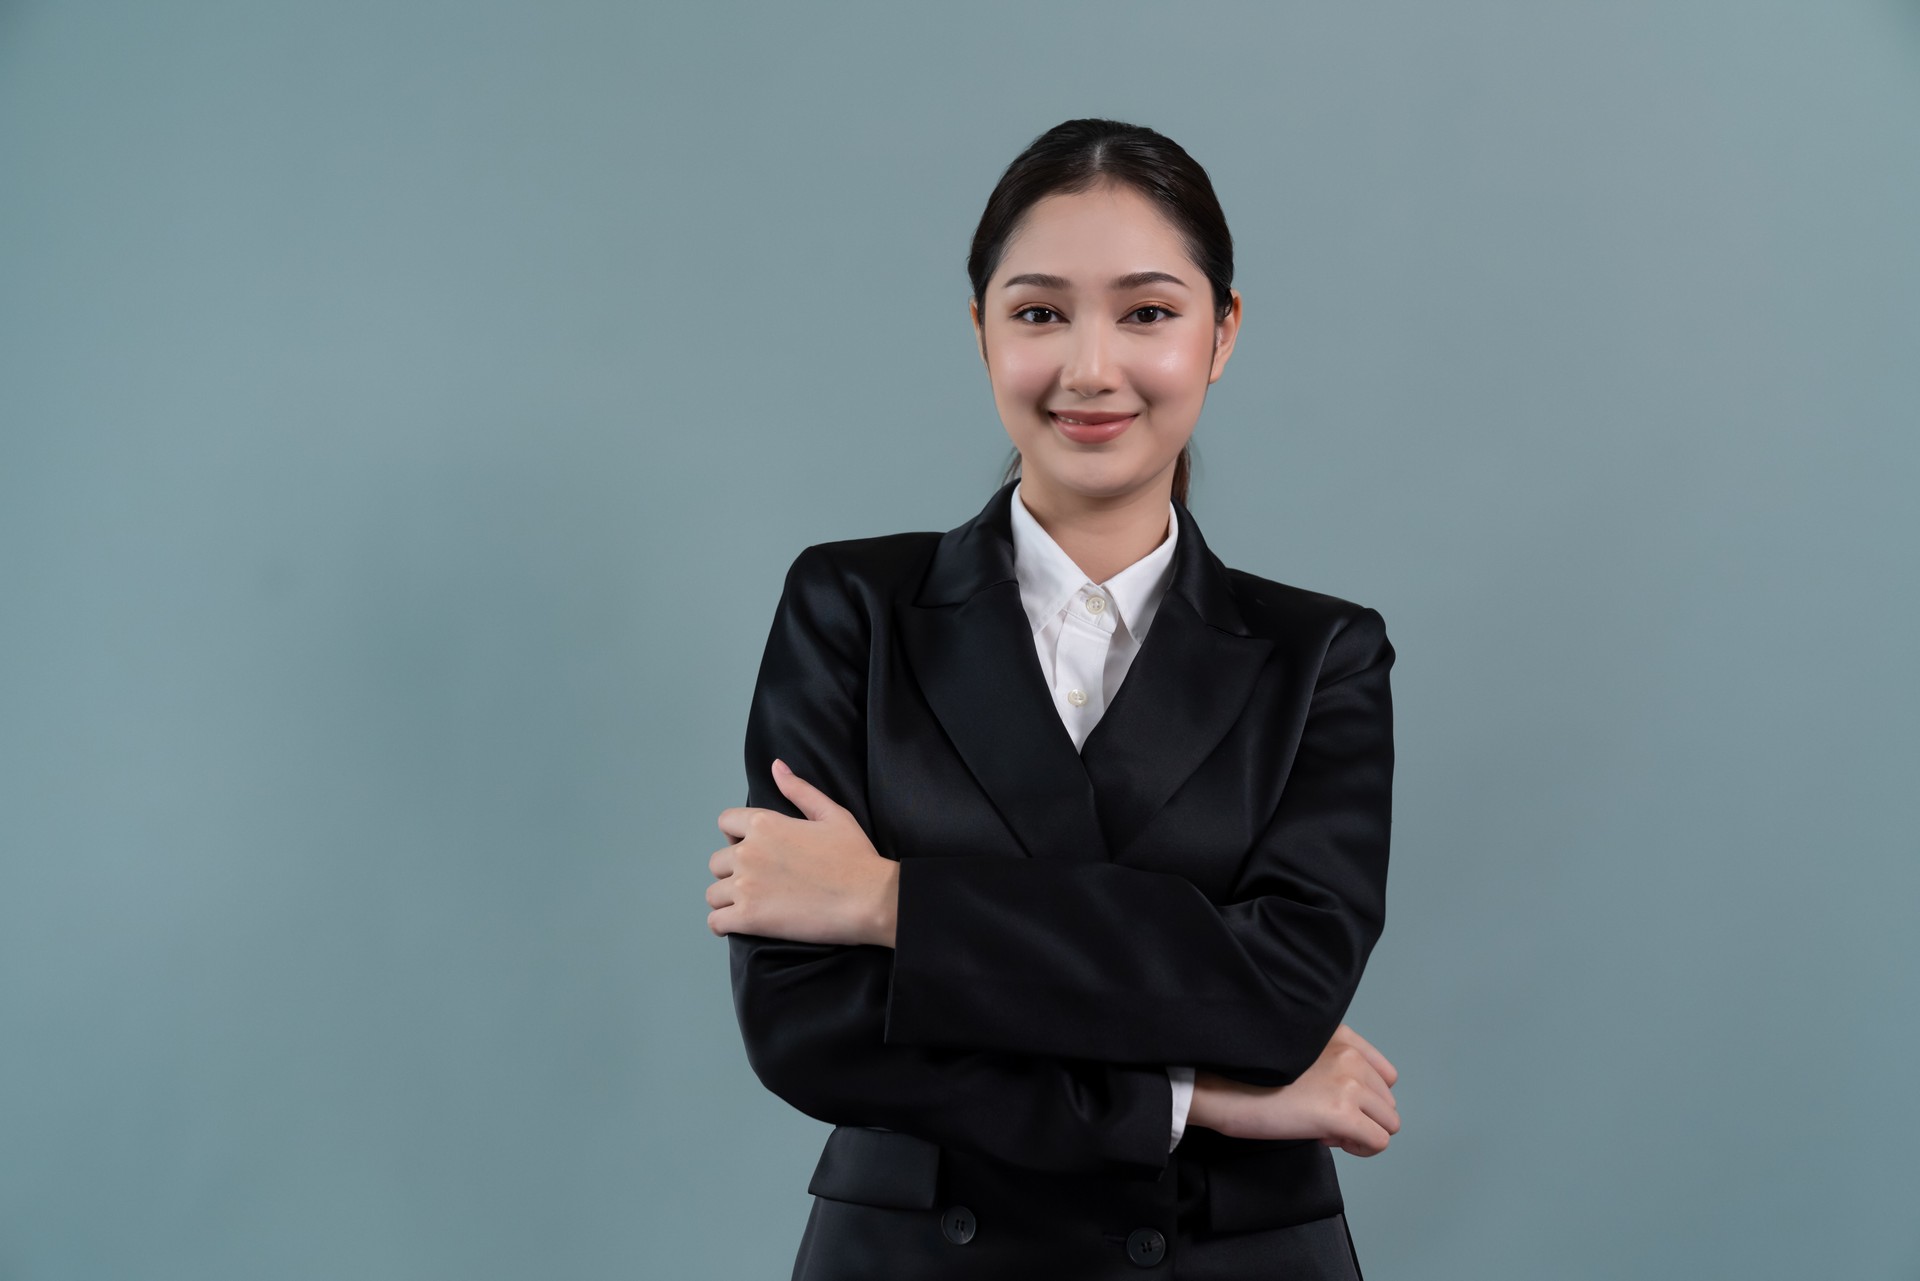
x=1065 y=845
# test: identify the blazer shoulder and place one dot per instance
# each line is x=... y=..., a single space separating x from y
x=1285 y=611
x=882 y=564
x=834 y=592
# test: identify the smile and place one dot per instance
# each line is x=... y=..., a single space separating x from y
x=1091 y=428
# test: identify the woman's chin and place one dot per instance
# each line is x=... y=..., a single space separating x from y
x=1091 y=478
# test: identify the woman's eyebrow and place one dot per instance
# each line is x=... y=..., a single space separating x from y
x=1132 y=280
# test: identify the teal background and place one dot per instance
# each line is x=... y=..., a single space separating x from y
x=408 y=412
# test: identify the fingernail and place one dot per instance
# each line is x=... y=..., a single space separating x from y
x=780 y=766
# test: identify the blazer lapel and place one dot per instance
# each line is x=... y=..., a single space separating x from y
x=1186 y=688
x=971 y=649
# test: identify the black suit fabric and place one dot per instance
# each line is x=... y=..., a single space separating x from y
x=1201 y=884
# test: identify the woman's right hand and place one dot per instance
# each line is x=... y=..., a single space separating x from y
x=1345 y=1100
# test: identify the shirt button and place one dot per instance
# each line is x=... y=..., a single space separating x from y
x=1078 y=697
x=958 y=1224
x=1146 y=1247
x=1095 y=604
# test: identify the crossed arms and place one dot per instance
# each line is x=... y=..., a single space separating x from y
x=1002 y=1026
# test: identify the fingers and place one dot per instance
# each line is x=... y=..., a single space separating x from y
x=1359 y=1089
x=810 y=800
x=1362 y=1125
x=1381 y=1110
x=1366 y=1115
x=1387 y=1071
x=1365 y=1138
x=1375 y=1097
x=737 y=820
x=1369 y=1076
x=1347 y=1059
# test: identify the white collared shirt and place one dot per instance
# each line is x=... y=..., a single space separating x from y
x=1087 y=635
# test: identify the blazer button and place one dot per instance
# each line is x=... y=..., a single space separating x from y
x=1146 y=1247
x=957 y=1224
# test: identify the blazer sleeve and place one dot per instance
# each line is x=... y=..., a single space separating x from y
x=1147 y=967
x=813 y=1016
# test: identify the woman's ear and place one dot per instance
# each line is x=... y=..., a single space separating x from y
x=979 y=334
x=1224 y=332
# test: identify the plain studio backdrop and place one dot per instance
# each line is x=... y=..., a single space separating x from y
x=408 y=412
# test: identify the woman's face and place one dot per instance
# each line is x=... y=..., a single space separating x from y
x=1099 y=338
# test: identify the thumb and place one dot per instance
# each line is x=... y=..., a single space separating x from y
x=813 y=802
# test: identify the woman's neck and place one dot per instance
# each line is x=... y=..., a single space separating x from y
x=1102 y=535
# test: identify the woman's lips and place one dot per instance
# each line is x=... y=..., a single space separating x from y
x=1091 y=429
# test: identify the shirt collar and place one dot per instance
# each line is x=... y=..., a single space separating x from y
x=1049 y=577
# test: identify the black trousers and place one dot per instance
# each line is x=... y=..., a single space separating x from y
x=991 y=1221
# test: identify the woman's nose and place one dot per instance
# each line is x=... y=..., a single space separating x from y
x=1089 y=367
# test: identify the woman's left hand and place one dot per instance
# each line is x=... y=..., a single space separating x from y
x=816 y=879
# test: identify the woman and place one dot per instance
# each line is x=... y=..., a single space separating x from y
x=1065 y=845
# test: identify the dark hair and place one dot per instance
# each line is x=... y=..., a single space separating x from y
x=1075 y=156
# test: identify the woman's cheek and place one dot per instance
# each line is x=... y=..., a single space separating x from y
x=1023 y=384
x=1177 y=381
x=1186 y=364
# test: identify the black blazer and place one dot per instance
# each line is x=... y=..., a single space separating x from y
x=1201 y=884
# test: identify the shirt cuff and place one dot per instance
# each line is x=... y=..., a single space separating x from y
x=1182 y=1080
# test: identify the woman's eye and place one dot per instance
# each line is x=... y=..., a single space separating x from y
x=1024 y=312
x=1139 y=311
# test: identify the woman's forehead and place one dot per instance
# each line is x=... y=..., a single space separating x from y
x=1095 y=239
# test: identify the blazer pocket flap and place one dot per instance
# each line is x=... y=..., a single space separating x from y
x=877 y=1167
x=1269 y=1184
